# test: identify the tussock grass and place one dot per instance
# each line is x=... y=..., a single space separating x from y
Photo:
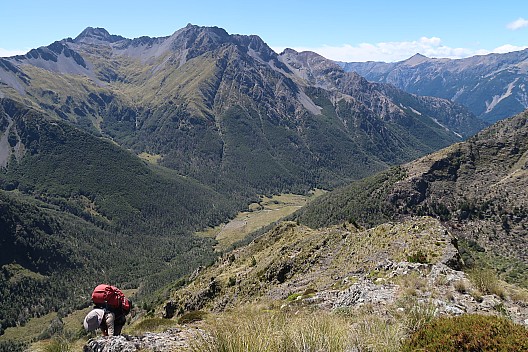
x=519 y=295
x=487 y=282
x=376 y=333
x=257 y=330
x=410 y=284
x=252 y=328
x=460 y=286
x=417 y=313
x=58 y=345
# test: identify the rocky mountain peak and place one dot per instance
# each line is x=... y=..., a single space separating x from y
x=491 y=86
x=416 y=59
x=309 y=63
x=193 y=32
x=289 y=51
x=196 y=40
x=97 y=34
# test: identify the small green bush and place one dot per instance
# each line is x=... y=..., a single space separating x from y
x=418 y=257
x=58 y=345
x=486 y=281
x=293 y=297
x=153 y=324
x=469 y=333
x=190 y=317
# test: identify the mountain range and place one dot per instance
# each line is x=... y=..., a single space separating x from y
x=492 y=86
x=217 y=107
x=124 y=148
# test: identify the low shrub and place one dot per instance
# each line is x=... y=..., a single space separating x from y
x=13 y=346
x=191 y=317
x=469 y=333
x=418 y=257
x=152 y=324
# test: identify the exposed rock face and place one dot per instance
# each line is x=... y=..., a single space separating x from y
x=383 y=99
x=171 y=340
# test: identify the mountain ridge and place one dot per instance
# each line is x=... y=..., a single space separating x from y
x=222 y=118
x=491 y=86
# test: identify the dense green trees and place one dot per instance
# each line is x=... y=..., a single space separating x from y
x=77 y=210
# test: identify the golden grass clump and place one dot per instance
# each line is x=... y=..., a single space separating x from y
x=269 y=331
x=486 y=281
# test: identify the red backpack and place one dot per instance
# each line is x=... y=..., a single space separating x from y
x=110 y=297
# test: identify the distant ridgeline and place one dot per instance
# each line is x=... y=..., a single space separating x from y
x=490 y=86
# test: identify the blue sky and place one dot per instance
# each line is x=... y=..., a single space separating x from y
x=352 y=30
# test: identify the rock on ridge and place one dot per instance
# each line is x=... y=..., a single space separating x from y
x=91 y=34
x=170 y=340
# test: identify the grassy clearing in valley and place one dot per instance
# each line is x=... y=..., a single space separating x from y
x=151 y=158
x=261 y=214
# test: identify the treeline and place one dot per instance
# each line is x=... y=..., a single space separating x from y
x=363 y=202
x=51 y=260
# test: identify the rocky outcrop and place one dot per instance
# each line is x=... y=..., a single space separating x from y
x=344 y=267
x=174 y=339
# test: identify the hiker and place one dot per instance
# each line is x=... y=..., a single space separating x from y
x=106 y=320
x=113 y=324
x=110 y=310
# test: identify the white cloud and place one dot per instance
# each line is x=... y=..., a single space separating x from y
x=508 y=48
x=517 y=24
x=7 y=53
x=398 y=51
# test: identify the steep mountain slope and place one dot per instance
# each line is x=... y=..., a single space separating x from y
x=225 y=118
x=292 y=258
x=476 y=188
x=228 y=111
x=492 y=86
x=384 y=100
